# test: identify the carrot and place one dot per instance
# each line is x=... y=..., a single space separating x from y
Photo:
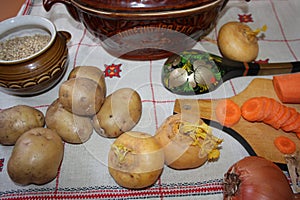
x=285 y=145
x=228 y=113
x=253 y=109
x=286 y=88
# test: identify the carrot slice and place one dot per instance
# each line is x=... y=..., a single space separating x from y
x=285 y=87
x=297 y=130
x=293 y=117
x=298 y=135
x=253 y=109
x=268 y=107
x=274 y=120
x=293 y=126
x=228 y=113
x=286 y=115
x=285 y=145
x=276 y=106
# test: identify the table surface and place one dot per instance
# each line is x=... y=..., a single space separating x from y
x=83 y=173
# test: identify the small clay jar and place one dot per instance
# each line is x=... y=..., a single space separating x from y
x=39 y=71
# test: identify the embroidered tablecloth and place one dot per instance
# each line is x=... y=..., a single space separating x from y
x=83 y=173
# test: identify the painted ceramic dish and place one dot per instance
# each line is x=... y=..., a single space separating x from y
x=33 y=55
x=144 y=30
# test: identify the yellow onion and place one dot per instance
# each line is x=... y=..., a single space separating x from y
x=237 y=41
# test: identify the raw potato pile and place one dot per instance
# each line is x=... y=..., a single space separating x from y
x=71 y=118
x=82 y=106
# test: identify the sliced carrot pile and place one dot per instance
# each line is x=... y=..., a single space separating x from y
x=271 y=112
x=253 y=109
x=228 y=113
x=285 y=145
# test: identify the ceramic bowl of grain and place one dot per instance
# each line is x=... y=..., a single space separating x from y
x=33 y=55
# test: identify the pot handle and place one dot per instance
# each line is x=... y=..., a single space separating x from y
x=66 y=35
x=70 y=8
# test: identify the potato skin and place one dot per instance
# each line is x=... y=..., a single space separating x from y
x=142 y=164
x=90 y=72
x=70 y=127
x=16 y=120
x=36 y=157
x=81 y=96
x=119 y=113
x=179 y=153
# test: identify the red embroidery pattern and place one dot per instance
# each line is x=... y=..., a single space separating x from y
x=263 y=61
x=1 y=164
x=245 y=18
x=112 y=70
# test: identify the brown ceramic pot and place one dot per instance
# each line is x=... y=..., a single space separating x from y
x=41 y=71
x=144 y=30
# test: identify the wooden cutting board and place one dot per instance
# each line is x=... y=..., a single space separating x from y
x=258 y=135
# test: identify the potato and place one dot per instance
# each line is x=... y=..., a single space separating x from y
x=187 y=143
x=135 y=160
x=16 y=120
x=36 y=157
x=81 y=96
x=90 y=72
x=70 y=127
x=119 y=113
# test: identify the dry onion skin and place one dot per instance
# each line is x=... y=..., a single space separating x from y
x=238 y=42
x=187 y=143
x=256 y=178
x=135 y=160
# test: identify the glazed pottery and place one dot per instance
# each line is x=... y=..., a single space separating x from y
x=41 y=71
x=144 y=30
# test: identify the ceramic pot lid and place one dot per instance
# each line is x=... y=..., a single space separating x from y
x=142 y=5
